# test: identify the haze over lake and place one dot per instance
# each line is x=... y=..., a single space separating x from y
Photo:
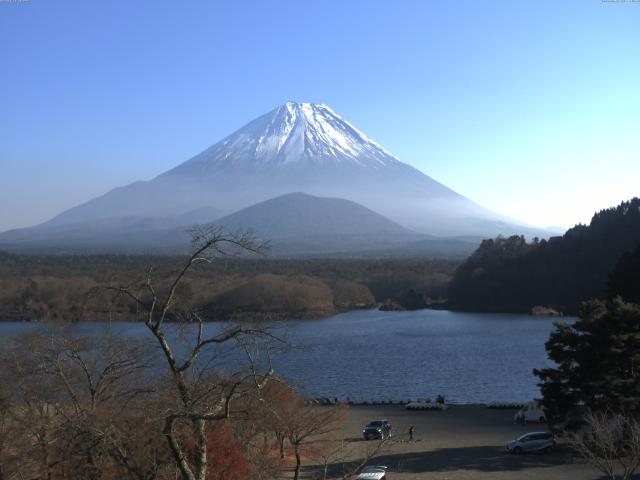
x=374 y=355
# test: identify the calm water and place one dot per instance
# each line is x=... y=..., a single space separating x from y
x=367 y=355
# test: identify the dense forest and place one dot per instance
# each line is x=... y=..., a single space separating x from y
x=513 y=275
x=625 y=278
x=62 y=287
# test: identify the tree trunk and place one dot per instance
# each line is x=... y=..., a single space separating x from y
x=201 y=453
x=2 y=460
x=46 y=464
x=296 y=474
x=176 y=451
x=281 y=444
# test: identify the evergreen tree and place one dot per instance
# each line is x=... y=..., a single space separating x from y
x=598 y=362
x=509 y=274
x=625 y=278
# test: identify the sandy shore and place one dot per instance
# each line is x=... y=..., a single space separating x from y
x=464 y=442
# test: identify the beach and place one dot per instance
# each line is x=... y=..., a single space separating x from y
x=462 y=442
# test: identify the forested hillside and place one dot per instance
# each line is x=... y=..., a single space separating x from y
x=625 y=278
x=56 y=287
x=513 y=275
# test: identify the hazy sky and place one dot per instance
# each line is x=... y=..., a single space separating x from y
x=530 y=108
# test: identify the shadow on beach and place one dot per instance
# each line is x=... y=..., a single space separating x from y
x=480 y=459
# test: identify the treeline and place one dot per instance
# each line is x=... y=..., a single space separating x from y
x=625 y=278
x=513 y=275
x=61 y=287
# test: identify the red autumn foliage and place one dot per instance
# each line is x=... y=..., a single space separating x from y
x=225 y=457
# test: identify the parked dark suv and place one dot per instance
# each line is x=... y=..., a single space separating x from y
x=377 y=429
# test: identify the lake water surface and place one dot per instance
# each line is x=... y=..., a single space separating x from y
x=373 y=355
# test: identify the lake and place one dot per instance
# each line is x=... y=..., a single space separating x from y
x=373 y=355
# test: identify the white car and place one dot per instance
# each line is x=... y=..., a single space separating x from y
x=532 y=412
x=377 y=472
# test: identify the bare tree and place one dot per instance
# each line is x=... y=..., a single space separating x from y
x=341 y=453
x=6 y=432
x=309 y=428
x=77 y=405
x=31 y=414
x=202 y=393
x=610 y=442
x=103 y=387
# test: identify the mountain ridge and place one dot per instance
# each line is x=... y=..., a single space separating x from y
x=297 y=147
x=296 y=225
x=312 y=215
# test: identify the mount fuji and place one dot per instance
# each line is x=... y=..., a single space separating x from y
x=297 y=147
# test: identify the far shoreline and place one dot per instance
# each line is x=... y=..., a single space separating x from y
x=279 y=317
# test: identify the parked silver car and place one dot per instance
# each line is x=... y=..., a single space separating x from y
x=377 y=472
x=532 y=442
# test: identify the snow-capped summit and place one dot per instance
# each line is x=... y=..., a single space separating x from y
x=292 y=133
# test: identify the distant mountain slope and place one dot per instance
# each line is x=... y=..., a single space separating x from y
x=297 y=225
x=509 y=274
x=299 y=147
x=127 y=233
x=298 y=215
x=301 y=225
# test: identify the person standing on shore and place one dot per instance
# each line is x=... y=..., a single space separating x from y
x=412 y=429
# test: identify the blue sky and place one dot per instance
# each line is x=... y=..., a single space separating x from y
x=531 y=108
